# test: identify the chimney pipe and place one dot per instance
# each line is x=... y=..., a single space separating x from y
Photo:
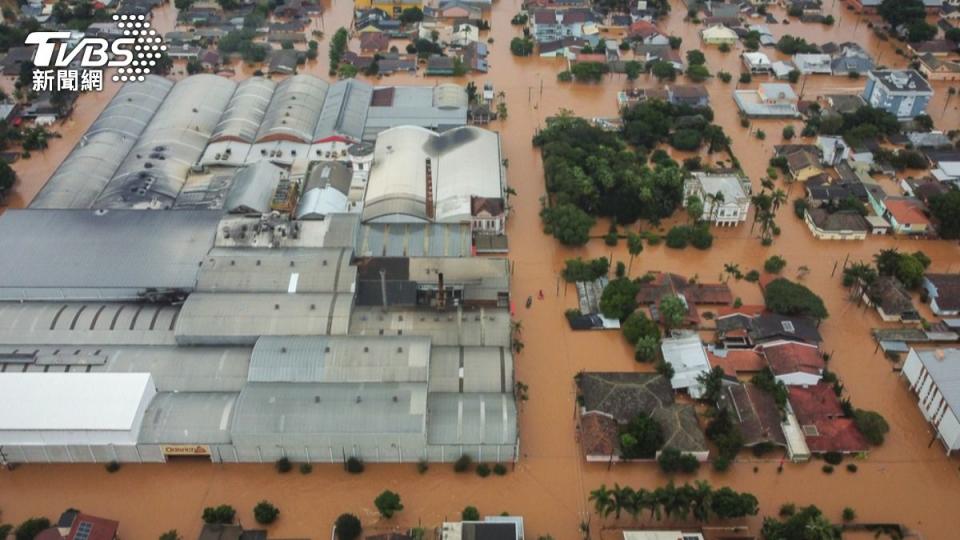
x=441 y=294
x=383 y=288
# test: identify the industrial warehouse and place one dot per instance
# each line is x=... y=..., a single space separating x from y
x=256 y=270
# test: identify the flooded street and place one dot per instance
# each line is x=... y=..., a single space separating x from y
x=907 y=480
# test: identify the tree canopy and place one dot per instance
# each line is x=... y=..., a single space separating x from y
x=641 y=438
x=619 y=299
x=806 y=524
x=348 y=527
x=567 y=223
x=873 y=426
x=388 y=503
x=785 y=297
x=945 y=209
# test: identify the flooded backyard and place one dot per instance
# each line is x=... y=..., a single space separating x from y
x=907 y=480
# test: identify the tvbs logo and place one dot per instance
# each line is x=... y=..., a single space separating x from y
x=134 y=55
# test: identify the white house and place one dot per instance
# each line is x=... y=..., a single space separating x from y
x=726 y=197
x=689 y=360
x=794 y=363
x=944 y=293
x=757 y=62
x=934 y=376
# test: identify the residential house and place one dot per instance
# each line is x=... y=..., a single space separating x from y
x=903 y=93
x=756 y=62
x=906 y=215
x=283 y=62
x=833 y=150
x=924 y=189
x=16 y=57
x=440 y=65
x=567 y=47
x=651 y=53
x=552 y=25
x=76 y=525
x=631 y=96
x=732 y=328
x=687 y=357
x=609 y=401
x=851 y=58
x=842 y=225
x=945 y=165
x=725 y=197
x=393 y=63
x=781 y=70
x=740 y=329
x=210 y=60
x=646 y=32
x=694 y=95
x=943 y=290
x=458 y=10
x=718 y=35
x=936 y=69
x=891 y=300
x=502 y=527
x=794 y=363
x=936 y=47
x=730 y=22
x=803 y=160
x=770 y=100
x=475 y=56
x=844 y=103
x=766 y=37
x=934 y=377
x=822 y=421
x=736 y=362
x=755 y=412
x=392 y=7
x=488 y=215
x=464 y=34
x=813 y=64
x=929 y=140
x=373 y=42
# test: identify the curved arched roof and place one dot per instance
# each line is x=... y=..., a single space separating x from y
x=449 y=96
x=94 y=160
x=245 y=111
x=344 y=110
x=157 y=166
x=294 y=110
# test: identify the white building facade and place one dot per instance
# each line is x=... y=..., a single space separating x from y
x=934 y=376
x=725 y=197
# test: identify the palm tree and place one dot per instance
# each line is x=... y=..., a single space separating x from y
x=779 y=198
x=766 y=183
x=656 y=503
x=731 y=269
x=640 y=502
x=762 y=204
x=622 y=499
x=634 y=247
x=718 y=200
x=602 y=500
x=700 y=498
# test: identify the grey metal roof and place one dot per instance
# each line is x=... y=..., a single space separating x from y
x=943 y=365
x=414 y=240
x=416 y=106
x=156 y=167
x=252 y=188
x=114 y=254
x=471 y=369
x=77 y=323
x=330 y=408
x=325 y=191
x=344 y=110
x=277 y=270
x=294 y=110
x=241 y=318
x=188 y=418
x=246 y=110
x=316 y=359
x=86 y=171
x=487 y=327
x=483 y=418
x=333 y=174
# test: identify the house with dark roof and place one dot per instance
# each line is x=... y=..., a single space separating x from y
x=610 y=400
x=840 y=225
x=943 y=290
x=283 y=62
x=891 y=300
x=939 y=69
x=794 y=363
x=770 y=327
x=756 y=414
x=935 y=47
x=820 y=416
x=694 y=95
x=373 y=42
x=440 y=65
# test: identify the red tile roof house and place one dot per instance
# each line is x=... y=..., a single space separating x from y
x=906 y=215
x=820 y=416
x=74 y=525
x=648 y=33
x=737 y=362
x=794 y=364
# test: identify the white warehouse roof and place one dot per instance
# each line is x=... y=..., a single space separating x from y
x=72 y=401
x=464 y=162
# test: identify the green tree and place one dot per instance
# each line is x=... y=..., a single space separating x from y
x=672 y=461
x=411 y=15
x=30 y=528
x=634 y=248
x=807 y=523
x=602 y=499
x=944 y=208
x=348 y=527
x=618 y=299
x=696 y=57
x=645 y=437
x=470 y=513
x=172 y=534
x=646 y=349
x=873 y=426
x=567 y=223
x=785 y=297
x=728 y=504
x=388 y=503
x=663 y=70
x=338 y=45
x=774 y=264
x=897 y=12
x=222 y=514
x=633 y=69
x=265 y=513
x=7 y=178
x=712 y=383
x=521 y=46
x=589 y=71
x=694 y=208
x=673 y=311
x=638 y=325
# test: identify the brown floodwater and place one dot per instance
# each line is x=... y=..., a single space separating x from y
x=907 y=480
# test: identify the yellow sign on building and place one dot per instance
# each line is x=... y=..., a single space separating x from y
x=185 y=450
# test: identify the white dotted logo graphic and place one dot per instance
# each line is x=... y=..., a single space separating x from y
x=147 y=49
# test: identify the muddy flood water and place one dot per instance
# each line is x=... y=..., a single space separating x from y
x=907 y=480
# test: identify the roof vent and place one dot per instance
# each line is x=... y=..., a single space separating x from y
x=788 y=326
x=359 y=399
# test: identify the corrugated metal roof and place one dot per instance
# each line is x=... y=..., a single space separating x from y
x=414 y=240
x=115 y=254
x=246 y=110
x=344 y=110
x=78 y=323
x=188 y=418
x=487 y=327
x=252 y=188
x=341 y=408
x=302 y=270
x=316 y=359
x=241 y=318
x=294 y=110
x=485 y=418
x=471 y=369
